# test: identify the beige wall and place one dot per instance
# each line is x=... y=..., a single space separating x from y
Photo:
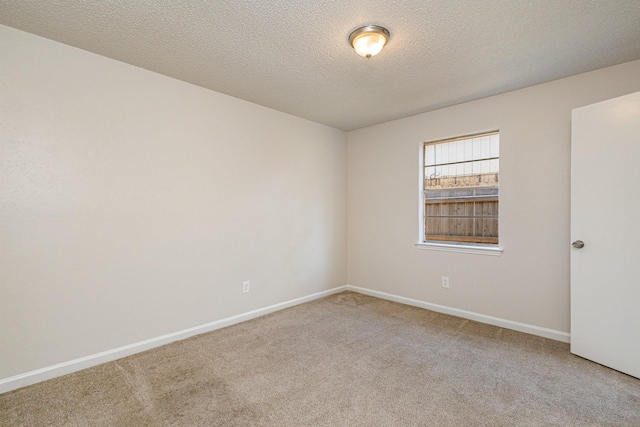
x=529 y=283
x=134 y=205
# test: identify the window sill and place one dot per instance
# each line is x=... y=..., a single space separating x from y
x=465 y=249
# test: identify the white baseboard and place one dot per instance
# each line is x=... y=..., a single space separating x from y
x=43 y=374
x=482 y=318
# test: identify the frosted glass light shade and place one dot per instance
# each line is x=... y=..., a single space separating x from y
x=368 y=41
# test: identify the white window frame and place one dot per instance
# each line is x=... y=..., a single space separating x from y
x=470 y=248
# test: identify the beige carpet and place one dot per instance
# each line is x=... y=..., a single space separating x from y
x=345 y=360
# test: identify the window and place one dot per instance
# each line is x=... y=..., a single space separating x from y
x=461 y=190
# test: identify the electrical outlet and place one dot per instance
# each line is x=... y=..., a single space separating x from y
x=246 y=287
x=445 y=282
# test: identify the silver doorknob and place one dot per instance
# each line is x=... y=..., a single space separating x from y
x=578 y=244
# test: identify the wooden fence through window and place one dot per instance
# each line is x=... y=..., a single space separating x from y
x=469 y=222
x=462 y=219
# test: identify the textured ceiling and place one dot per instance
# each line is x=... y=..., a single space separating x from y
x=294 y=56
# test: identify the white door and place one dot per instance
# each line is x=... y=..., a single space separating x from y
x=605 y=215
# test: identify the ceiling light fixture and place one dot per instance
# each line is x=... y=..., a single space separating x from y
x=369 y=40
